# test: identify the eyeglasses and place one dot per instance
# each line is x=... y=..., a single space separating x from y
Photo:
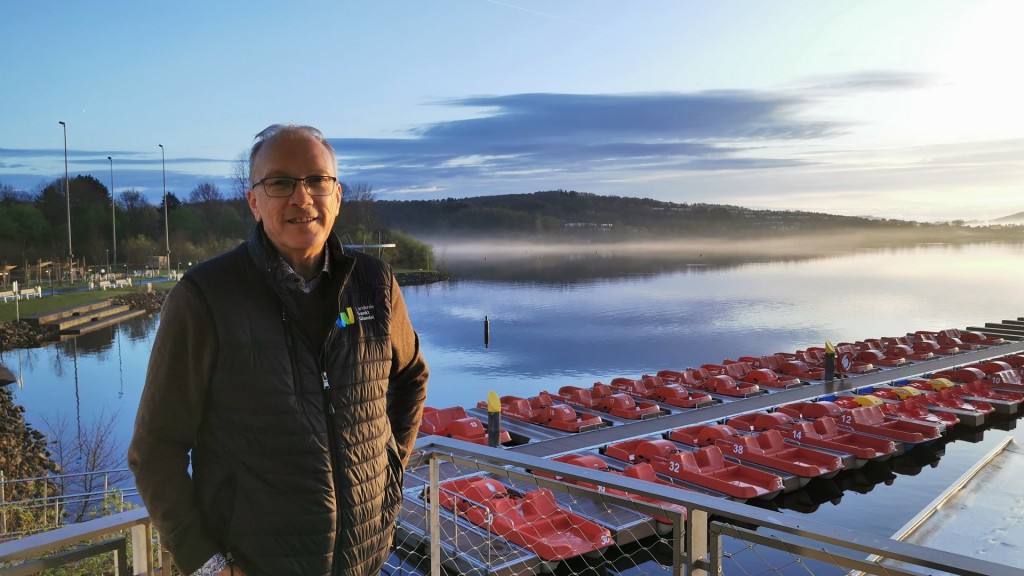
x=284 y=186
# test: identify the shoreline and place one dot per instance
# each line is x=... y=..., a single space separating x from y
x=15 y=335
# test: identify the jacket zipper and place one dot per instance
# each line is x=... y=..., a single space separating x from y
x=328 y=418
x=329 y=412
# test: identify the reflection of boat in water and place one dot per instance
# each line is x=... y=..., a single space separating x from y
x=532 y=520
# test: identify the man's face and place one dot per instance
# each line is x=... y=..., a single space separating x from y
x=297 y=225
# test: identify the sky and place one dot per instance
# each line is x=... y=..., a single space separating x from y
x=908 y=109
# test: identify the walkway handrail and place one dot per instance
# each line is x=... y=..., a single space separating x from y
x=498 y=461
x=47 y=542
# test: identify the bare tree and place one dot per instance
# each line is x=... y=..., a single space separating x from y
x=205 y=192
x=358 y=220
x=240 y=177
x=91 y=457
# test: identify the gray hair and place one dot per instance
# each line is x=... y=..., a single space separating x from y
x=276 y=130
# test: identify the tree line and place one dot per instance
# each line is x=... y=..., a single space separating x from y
x=570 y=214
x=34 y=226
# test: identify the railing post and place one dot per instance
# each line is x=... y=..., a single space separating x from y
x=142 y=549
x=435 y=517
x=715 y=549
x=696 y=542
x=121 y=559
x=3 y=504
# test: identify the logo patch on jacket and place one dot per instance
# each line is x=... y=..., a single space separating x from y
x=345 y=318
x=348 y=317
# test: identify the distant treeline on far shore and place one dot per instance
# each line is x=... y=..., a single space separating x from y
x=581 y=215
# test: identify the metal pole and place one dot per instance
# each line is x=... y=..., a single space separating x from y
x=67 y=197
x=113 y=217
x=3 y=502
x=167 y=233
x=433 y=514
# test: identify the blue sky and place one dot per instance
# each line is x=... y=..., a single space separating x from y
x=906 y=109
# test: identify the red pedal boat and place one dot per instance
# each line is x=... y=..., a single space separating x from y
x=701 y=379
x=867 y=419
x=897 y=409
x=601 y=398
x=744 y=372
x=766 y=448
x=654 y=388
x=532 y=520
x=455 y=423
x=705 y=467
x=939 y=392
x=595 y=463
x=908 y=402
x=971 y=337
x=545 y=412
x=823 y=433
x=926 y=341
x=874 y=353
x=904 y=348
x=783 y=366
x=1001 y=374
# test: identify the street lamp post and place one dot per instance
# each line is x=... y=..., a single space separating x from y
x=67 y=197
x=113 y=216
x=167 y=230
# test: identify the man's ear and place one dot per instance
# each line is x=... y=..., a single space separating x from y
x=250 y=196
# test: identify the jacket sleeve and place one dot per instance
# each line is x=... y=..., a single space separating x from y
x=167 y=423
x=407 y=386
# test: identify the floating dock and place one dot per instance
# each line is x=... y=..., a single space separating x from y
x=85 y=318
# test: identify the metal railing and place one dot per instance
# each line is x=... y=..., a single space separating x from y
x=57 y=504
x=709 y=538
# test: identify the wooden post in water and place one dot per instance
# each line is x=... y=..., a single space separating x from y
x=487 y=333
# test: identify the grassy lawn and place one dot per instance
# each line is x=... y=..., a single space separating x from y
x=48 y=303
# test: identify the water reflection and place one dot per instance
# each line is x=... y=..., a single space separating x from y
x=86 y=378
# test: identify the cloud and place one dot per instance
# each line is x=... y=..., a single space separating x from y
x=873 y=81
x=545 y=134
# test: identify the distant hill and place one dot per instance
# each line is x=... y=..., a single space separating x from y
x=1017 y=218
x=579 y=213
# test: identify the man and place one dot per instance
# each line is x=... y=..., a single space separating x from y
x=290 y=371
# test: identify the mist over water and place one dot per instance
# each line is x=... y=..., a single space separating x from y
x=571 y=315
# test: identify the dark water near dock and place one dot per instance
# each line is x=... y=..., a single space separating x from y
x=574 y=319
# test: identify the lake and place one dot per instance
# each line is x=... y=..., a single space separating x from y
x=574 y=317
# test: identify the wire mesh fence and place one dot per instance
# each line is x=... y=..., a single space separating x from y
x=479 y=511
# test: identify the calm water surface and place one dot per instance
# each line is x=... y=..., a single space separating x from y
x=594 y=315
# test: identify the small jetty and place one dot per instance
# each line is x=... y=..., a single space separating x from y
x=84 y=318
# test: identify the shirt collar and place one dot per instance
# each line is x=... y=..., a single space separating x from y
x=289 y=278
